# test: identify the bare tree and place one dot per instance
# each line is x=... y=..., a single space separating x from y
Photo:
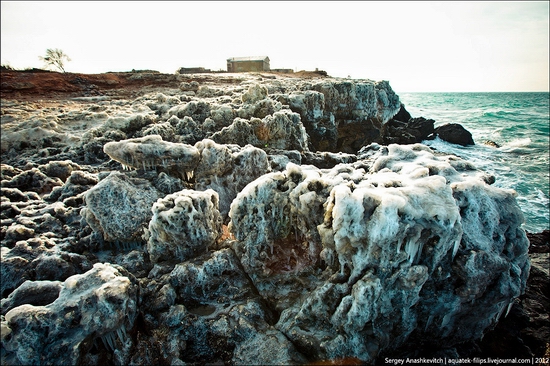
x=55 y=57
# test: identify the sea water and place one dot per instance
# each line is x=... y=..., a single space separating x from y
x=517 y=122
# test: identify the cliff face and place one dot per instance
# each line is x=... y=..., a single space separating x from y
x=238 y=214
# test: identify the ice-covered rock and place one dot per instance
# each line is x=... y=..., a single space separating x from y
x=358 y=257
x=254 y=94
x=99 y=304
x=341 y=249
x=343 y=115
x=228 y=169
x=119 y=207
x=151 y=152
x=33 y=293
x=280 y=130
x=184 y=224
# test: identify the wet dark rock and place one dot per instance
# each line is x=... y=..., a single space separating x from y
x=455 y=134
x=540 y=242
x=413 y=131
x=403 y=115
x=491 y=143
x=327 y=160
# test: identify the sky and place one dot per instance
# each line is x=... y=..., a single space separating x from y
x=417 y=46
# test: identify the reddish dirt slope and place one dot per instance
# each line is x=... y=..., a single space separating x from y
x=44 y=84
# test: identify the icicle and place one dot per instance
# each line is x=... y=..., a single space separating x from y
x=430 y=319
x=509 y=307
x=446 y=320
x=499 y=314
x=108 y=341
x=399 y=246
x=189 y=175
x=104 y=342
x=455 y=248
x=120 y=336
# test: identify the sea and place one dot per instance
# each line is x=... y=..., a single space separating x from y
x=517 y=122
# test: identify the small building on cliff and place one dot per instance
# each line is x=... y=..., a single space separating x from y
x=243 y=64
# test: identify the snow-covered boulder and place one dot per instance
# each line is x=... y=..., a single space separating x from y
x=184 y=224
x=93 y=310
x=358 y=257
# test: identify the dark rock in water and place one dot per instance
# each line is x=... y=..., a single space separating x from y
x=455 y=134
x=491 y=143
x=414 y=131
x=403 y=129
x=424 y=126
x=403 y=115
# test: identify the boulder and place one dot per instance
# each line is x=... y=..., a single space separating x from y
x=119 y=207
x=403 y=115
x=280 y=130
x=99 y=304
x=151 y=152
x=35 y=293
x=228 y=169
x=413 y=131
x=455 y=134
x=184 y=224
x=357 y=257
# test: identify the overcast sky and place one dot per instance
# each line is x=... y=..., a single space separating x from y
x=417 y=46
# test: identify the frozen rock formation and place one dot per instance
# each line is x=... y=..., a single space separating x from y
x=119 y=207
x=152 y=152
x=343 y=115
x=32 y=292
x=184 y=224
x=261 y=221
x=358 y=257
x=281 y=130
x=228 y=169
x=99 y=304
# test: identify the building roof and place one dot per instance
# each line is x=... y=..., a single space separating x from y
x=248 y=58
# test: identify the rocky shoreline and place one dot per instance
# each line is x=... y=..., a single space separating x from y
x=251 y=219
